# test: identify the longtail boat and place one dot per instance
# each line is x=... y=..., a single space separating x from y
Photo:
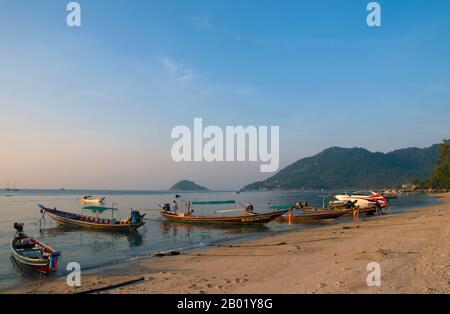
x=325 y=211
x=133 y=222
x=303 y=217
x=253 y=218
x=32 y=254
x=248 y=218
x=347 y=211
x=307 y=214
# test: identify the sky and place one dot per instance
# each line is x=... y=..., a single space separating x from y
x=94 y=106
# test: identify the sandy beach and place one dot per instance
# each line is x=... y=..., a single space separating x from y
x=412 y=249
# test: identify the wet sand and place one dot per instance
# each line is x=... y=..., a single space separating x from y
x=412 y=249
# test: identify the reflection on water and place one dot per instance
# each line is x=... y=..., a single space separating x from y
x=93 y=248
x=173 y=228
x=133 y=237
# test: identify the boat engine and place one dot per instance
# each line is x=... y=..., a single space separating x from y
x=166 y=207
x=18 y=226
x=249 y=207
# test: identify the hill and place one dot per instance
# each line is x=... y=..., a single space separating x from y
x=440 y=178
x=186 y=185
x=339 y=168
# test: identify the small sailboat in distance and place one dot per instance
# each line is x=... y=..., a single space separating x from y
x=15 y=189
x=7 y=187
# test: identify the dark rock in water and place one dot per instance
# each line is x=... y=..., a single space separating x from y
x=186 y=185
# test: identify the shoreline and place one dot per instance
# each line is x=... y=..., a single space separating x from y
x=411 y=248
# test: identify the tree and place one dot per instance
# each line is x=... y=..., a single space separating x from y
x=441 y=173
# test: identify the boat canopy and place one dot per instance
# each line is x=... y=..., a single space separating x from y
x=281 y=207
x=98 y=208
x=213 y=202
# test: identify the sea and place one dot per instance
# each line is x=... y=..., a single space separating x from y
x=93 y=249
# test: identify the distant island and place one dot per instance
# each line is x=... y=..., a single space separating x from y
x=186 y=185
x=342 y=168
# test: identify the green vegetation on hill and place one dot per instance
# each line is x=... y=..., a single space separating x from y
x=440 y=178
x=186 y=185
x=339 y=168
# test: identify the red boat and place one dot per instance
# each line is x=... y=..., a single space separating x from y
x=32 y=254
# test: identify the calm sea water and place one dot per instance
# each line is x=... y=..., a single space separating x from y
x=93 y=249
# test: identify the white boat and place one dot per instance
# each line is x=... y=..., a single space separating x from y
x=91 y=200
x=365 y=199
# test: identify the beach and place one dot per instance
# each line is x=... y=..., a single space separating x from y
x=412 y=249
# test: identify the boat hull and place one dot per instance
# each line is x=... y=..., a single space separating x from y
x=40 y=265
x=61 y=218
x=363 y=201
x=226 y=220
x=307 y=216
x=93 y=200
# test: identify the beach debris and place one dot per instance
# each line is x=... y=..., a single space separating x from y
x=170 y=253
x=384 y=252
x=110 y=287
x=349 y=227
x=258 y=245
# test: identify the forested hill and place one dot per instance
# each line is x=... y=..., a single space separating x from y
x=339 y=168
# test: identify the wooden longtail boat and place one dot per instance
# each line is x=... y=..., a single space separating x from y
x=348 y=212
x=325 y=211
x=246 y=219
x=306 y=217
x=309 y=214
x=96 y=223
x=32 y=254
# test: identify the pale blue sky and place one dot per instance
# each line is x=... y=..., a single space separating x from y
x=93 y=107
